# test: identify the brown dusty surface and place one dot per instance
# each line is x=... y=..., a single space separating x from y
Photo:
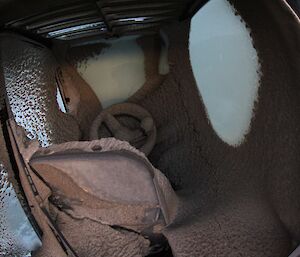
x=83 y=103
x=240 y=201
x=95 y=218
x=94 y=239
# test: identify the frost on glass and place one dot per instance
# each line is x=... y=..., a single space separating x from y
x=17 y=237
x=226 y=68
x=29 y=71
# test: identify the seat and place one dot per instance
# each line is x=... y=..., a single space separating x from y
x=109 y=182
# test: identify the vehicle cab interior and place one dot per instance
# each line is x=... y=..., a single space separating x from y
x=162 y=128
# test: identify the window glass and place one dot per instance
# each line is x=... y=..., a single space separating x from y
x=226 y=68
x=17 y=237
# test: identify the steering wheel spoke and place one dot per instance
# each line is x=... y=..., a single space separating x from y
x=112 y=123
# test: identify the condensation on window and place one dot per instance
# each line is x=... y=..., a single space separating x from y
x=17 y=236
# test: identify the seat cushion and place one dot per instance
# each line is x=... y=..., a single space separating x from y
x=108 y=182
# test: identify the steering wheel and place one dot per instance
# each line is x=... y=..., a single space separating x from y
x=128 y=122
